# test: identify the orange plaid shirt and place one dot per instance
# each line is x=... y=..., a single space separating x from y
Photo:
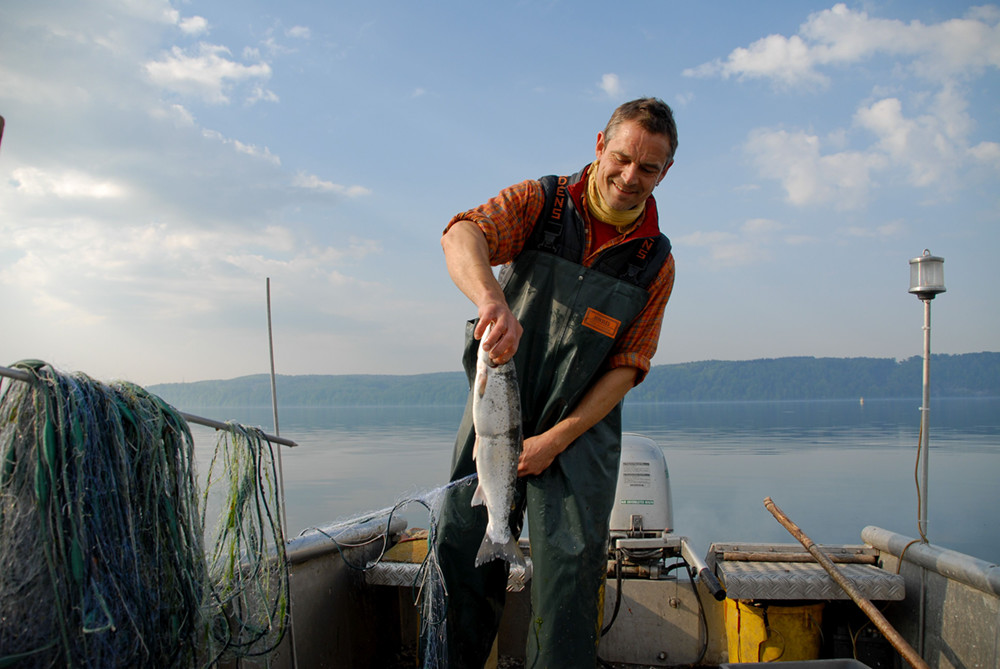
x=508 y=219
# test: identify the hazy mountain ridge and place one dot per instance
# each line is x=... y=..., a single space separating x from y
x=963 y=375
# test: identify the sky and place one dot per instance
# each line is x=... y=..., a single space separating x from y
x=162 y=160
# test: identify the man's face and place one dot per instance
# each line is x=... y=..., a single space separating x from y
x=631 y=164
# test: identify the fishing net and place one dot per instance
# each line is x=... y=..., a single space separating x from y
x=429 y=593
x=247 y=562
x=101 y=558
x=102 y=555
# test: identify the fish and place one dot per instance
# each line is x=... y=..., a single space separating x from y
x=496 y=416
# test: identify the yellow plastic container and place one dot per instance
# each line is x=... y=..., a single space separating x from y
x=773 y=633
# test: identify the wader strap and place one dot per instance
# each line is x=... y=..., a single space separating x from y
x=560 y=231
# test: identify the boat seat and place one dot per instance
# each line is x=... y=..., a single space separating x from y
x=789 y=572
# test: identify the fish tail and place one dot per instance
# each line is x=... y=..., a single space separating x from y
x=491 y=550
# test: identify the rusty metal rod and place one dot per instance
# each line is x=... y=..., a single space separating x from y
x=884 y=626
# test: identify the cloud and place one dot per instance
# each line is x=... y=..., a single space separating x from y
x=247 y=149
x=65 y=184
x=731 y=249
x=611 y=85
x=842 y=36
x=795 y=159
x=313 y=182
x=205 y=72
x=195 y=25
x=987 y=153
x=761 y=226
x=785 y=60
x=930 y=151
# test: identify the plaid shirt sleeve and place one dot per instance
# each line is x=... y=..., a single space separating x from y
x=638 y=344
x=507 y=221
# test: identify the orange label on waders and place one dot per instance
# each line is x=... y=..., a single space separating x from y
x=602 y=323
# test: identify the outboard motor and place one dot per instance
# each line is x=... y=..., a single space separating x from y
x=642 y=521
x=642 y=525
x=643 y=513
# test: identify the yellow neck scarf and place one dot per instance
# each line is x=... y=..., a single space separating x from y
x=621 y=220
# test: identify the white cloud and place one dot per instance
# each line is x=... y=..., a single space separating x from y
x=920 y=140
x=728 y=249
x=64 y=184
x=809 y=177
x=207 y=72
x=260 y=94
x=177 y=113
x=611 y=85
x=86 y=271
x=843 y=36
x=195 y=25
x=248 y=149
x=928 y=151
x=987 y=153
x=299 y=32
x=786 y=60
x=313 y=182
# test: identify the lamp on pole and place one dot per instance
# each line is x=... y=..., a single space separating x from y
x=926 y=281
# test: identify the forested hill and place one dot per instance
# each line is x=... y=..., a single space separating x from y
x=966 y=375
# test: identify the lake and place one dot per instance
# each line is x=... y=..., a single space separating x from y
x=832 y=466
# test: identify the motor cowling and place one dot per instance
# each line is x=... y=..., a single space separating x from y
x=643 y=505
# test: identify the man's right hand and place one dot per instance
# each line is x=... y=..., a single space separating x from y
x=505 y=336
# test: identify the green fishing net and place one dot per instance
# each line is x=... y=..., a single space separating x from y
x=102 y=547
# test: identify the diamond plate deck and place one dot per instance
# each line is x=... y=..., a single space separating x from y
x=797 y=580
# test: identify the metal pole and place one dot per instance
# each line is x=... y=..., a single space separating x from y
x=924 y=420
x=925 y=410
x=274 y=407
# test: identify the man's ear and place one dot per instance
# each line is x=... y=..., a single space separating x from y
x=663 y=174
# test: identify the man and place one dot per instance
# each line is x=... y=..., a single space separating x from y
x=578 y=306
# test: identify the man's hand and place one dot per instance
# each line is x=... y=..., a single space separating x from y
x=537 y=454
x=540 y=451
x=505 y=336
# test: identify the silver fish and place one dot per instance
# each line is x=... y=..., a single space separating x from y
x=496 y=415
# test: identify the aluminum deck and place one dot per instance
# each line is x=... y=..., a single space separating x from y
x=787 y=572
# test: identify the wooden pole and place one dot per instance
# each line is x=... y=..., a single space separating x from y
x=890 y=633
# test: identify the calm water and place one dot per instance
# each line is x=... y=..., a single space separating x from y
x=833 y=467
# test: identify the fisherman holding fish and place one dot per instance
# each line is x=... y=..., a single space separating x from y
x=570 y=326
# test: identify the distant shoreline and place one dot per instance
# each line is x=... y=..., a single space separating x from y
x=968 y=375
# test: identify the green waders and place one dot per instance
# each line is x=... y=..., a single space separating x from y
x=571 y=317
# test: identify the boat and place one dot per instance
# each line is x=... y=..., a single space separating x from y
x=741 y=604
